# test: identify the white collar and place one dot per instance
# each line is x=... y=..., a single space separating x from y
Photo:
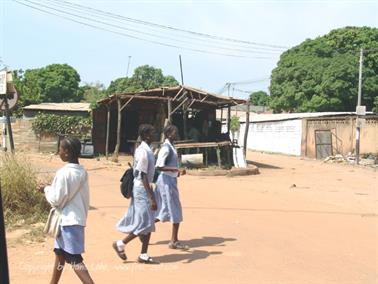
x=145 y=146
x=168 y=142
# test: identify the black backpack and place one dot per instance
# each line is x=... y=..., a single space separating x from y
x=127 y=182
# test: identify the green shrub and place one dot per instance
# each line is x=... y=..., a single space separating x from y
x=234 y=124
x=51 y=124
x=21 y=200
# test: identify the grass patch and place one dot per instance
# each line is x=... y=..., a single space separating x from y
x=23 y=204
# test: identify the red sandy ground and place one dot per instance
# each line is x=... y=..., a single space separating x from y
x=255 y=229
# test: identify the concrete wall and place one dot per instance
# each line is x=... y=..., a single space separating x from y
x=343 y=135
x=277 y=136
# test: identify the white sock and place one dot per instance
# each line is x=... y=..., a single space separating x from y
x=120 y=245
x=144 y=256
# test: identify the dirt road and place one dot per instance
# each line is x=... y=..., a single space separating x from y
x=299 y=221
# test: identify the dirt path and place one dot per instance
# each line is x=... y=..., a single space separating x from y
x=299 y=221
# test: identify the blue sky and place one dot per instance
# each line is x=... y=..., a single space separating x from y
x=30 y=38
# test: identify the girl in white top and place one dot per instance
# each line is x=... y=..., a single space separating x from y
x=169 y=207
x=139 y=219
x=69 y=192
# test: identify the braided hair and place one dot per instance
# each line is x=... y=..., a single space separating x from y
x=73 y=145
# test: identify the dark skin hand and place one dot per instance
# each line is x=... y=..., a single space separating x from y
x=146 y=184
x=150 y=193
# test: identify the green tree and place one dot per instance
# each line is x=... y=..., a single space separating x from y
x=322 y=74
x=145 y=77
x=234 y=125
x=375 y=109
x=53 y=83
x=92 y=93
x=259 y=98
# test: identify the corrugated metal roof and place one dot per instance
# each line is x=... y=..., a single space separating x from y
x=171 y=91
x=84 y=107
x=290 y=116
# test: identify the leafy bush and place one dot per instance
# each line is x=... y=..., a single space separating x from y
x=51 y=124
x=234 y=124
x=21 y=199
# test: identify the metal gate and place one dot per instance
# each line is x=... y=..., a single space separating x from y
x=323 y=143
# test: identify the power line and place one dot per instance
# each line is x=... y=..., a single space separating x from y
x=136 y=37
x=177 y=29
x=30 y=5
x=151 y=34
x=153 y=27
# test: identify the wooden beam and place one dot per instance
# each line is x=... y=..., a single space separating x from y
x=179 y=105
x=107 y=132
x=185 y=117
x=178 y=93
x=228 y=119
x=116 y=151
x=204 y=98
x=192 y=102
x=166 y=99
x=129 y=101
x=169 y=110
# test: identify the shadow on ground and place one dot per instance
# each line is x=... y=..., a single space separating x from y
x=194 y=254
x=262 y=166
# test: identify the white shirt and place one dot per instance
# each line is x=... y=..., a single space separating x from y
x=70 y=190
x=162 y=156
x=144 y=162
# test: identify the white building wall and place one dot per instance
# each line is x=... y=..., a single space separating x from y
x=277 y=136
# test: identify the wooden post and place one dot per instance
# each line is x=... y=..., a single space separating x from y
x=221 y=118
x=107 y=131
x=228 y=119
x=169 y=110
x=218 y=157
x=246 y=130
x=116 y=151
x=185 y=117
x=9 y=125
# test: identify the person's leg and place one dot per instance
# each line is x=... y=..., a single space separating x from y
x=174 y=243
x=145 y=242
x=82 y=272
x=175 y=229
x=128 y=238
x=58 y=268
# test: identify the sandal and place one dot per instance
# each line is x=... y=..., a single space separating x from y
x=120 y=253
x=149 y=260
x=178 y=245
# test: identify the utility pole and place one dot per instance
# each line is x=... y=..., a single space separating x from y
x=182 y=75
x=358 y=129
x=128 y=66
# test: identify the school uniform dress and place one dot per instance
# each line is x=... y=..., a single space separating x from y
x=139 y=219
x=167 y=194
x=69 y=192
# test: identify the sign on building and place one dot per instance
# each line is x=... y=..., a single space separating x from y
x=3 y=82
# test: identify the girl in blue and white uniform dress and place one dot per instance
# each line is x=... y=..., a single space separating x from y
x=139 y=219
x=167 y=195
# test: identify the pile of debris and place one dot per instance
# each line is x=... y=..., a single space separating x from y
x=335 y=159
x=365 y=159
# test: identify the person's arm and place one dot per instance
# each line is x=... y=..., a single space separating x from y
x=57 y=193
x=160 y=163
x=150 y=193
